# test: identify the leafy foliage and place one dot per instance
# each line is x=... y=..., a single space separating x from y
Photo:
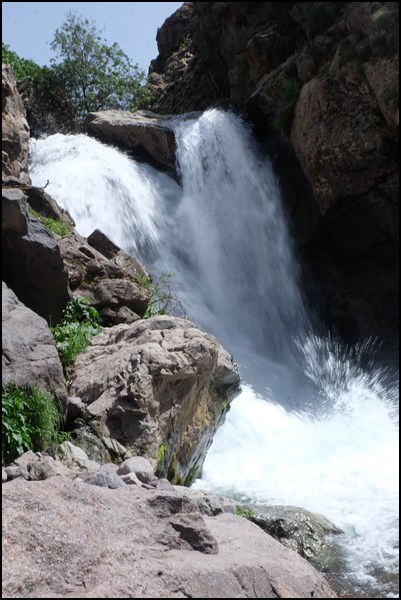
x=53 y=225
x=30 y=421
x=28 y=69
x=162 y=299
x=96 y=75
x=81 y=321
x=246 y=513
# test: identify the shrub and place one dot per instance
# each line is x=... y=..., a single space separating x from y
x=81 y=321
x=31 y=420
x=246 y=513
x=162 y=300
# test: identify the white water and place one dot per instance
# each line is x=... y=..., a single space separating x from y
x=313 y=426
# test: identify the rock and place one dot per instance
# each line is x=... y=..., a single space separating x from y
x=29 y=355
x=37 y=467
x=146 y=135
x=140 y=466
x=12 y=471
x=3 y=476
x=15 y=130
x=105 y=479
x=157 y=386
x=74 y=408
x=48 y=109
x=117 y=451
x=296 y=528
x=208 y=503
x=111 y=283
x=44 y=204
x=85 y=438
x=74 y=457
x=76 y=540
x=32 y=264
x=319 y=83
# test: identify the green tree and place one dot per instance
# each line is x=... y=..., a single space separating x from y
x=96 y=75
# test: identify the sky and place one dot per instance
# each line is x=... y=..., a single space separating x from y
x=28 y=27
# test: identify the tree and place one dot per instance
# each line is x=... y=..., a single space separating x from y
x=96 y=75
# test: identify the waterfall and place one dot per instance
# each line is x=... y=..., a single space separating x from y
x=316 y=423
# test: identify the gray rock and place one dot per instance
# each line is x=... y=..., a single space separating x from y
x=29 y=356
x=12 y=472
x=34 y=467
x=74 y=457
x=296 y=528
x=85 y=438
x=3 y=476
x=104 y=479
x=74 y=408
x=209 y=504
x=32 y=263
x=140 y=466
x=158 y=386
x=148 y=136
x=76 y=540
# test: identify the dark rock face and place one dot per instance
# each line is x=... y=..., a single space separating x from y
x=48 y=110
x=70 y=539
x=160 y=387
x=15 y=130
x=319 y=81
x=29 y=356
x=31 y=261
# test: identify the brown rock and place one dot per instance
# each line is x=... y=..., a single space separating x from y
x=159 y=387
x=110 y=283
x=75 y=540
x=146 y=135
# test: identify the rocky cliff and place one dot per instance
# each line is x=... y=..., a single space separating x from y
x=319 y=82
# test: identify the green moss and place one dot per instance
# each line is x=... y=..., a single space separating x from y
x=161 y=453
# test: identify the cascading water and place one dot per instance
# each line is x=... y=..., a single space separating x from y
x=315 y=426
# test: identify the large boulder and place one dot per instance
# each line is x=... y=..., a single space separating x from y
x=29 y=356
x=31 y=261
x=160 y=387
x=146 y=135
x=297 y=528
x=108 y=276
x=67 y=539
x=15 y=130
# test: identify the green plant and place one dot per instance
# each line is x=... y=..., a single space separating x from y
x=161 y=453
x=246 y=513
x=81 y=321
x=52 y=224
x=162 y=300
x=290 y=88
x=96 y=75
x=31 y=420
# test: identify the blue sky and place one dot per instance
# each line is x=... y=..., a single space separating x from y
x=28 y=27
